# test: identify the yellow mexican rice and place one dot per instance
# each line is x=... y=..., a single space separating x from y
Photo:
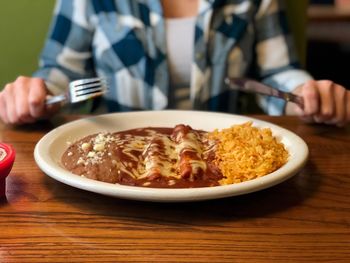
x=245 y=152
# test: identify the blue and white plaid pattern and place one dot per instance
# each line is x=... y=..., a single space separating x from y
x=124 y=41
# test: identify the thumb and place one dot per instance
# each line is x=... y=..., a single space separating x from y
x=36 y=97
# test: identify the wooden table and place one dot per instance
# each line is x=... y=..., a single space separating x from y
x=305 y=219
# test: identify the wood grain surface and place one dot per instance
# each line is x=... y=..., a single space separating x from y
x=304 y=219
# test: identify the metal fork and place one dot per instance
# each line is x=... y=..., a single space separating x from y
x=80 y=90
x=253 y=86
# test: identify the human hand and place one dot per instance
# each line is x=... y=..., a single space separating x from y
x=23 y=101
x=324 y=102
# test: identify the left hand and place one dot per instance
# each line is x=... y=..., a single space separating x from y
x=324 y=102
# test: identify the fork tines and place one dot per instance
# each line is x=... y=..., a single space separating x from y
x=87 y=88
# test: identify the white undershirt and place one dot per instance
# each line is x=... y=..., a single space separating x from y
x=180 y=42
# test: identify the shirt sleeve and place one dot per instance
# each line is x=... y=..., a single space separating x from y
x=277 y=61
x=67 y=53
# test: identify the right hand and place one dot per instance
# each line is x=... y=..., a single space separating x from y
x=324 y=102
x=23 y=101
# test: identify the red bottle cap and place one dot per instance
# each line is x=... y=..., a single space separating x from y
x=7 y=158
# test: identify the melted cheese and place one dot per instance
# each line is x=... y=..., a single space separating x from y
x=190 y=143
x=156 y=154
x=159 y=157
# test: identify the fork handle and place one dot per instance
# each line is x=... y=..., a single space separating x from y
x=55 y=99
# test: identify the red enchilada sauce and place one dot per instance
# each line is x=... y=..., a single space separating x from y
x=177 y=157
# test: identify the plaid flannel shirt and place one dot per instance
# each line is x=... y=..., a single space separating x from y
x=124 y=42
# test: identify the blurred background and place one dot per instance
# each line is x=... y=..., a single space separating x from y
x=321 y=29
x=328 y=40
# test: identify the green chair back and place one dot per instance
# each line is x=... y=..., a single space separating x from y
x=297 y=17
x=23 y=27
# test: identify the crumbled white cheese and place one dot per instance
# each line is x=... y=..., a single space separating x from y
x=85 y=146
x=99 y=147
x=91 y=154
x=80 y=161
x=171 y=182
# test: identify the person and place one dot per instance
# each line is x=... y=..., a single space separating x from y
x=172 y=54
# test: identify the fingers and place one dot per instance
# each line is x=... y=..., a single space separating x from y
x=340 y=101
x=325 y=102
x=311 y=99
x=3 y=112
x=9 y=110
x=326 y=91
x=22 y=107
x=36 y=98
x=23 y=101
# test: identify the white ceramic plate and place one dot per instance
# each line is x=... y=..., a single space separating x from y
x=50 y=148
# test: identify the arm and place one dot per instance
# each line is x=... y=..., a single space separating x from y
x=67 y=54
x=277 y=62
x=325 y=101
